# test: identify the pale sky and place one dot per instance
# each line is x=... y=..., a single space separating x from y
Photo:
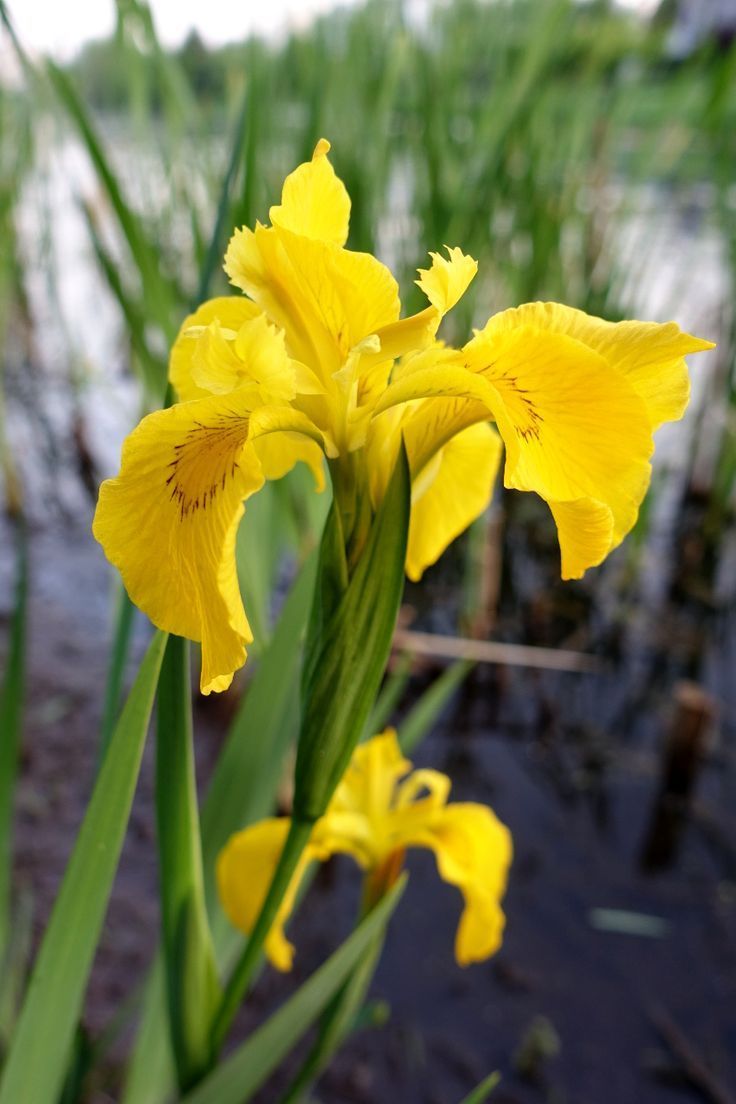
x=61 y=26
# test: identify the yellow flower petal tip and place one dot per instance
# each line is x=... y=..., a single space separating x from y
x=322 y=148
x=380 y=808
x=447 y=280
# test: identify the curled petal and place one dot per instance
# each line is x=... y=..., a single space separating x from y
x=252 y=359
x=448 y=278
x=473 y=852
x=230 y=311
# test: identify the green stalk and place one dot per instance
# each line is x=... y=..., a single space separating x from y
x=191 y=976
x=237 y=986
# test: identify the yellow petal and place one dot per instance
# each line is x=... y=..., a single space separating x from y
x=279 y=453
x=169 y=520
x=451 y=491
x=326 y=299
x=245 y=868
x=231 y=312
x=650 y=354
x=585 y=531
x=473 y=852
x=448 y=278
x=314 y=202
x=450 y=380
x=573 y=426
x=368 y=784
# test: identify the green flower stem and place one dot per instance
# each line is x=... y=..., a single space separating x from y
x=240 y=979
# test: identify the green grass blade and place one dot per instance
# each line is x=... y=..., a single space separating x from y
x=425 y=712
x=481 y=1092
x=191 y=977
x=124 y=619
x=239 y=1076
x=54 y=999
x=337 y=1022
x=11 y=714
x=390 y=696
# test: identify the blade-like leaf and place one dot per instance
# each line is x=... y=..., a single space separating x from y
x=427 y=709
x=481 y=1092
x=191 y=976
x=238 y=1077
x=54 y=1000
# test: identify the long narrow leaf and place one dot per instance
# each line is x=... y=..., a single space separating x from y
x=191 y=976
x=54 y=1000
x=427 y=709
x=238 y=1077
x=481 y=1092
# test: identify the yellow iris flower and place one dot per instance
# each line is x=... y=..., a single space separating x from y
x=316 y=360
x=378 y=811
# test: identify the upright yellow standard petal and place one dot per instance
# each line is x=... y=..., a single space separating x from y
x=168 y=521
x=314 y=201
x=326 y=299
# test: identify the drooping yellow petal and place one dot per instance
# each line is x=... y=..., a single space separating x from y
x=573 y=426
x=447 y=280
x=168 y=521
x=230 y=312
x=449 y=493
x=473 y=852
x=585 y=530
x=314 y=201
x=650 y=354
x=244 y=870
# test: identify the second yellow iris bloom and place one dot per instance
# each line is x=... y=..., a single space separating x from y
x=317 y=361
x=379 y=810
